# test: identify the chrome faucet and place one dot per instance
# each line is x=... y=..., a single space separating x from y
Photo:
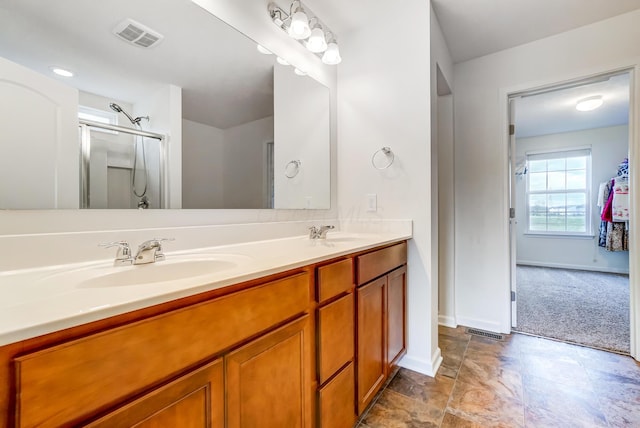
x=319 y=232
x=123 y=256
x=150 y=251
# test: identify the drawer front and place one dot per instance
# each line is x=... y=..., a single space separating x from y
x=335 y=336
x=66 y=383
x=334 y=279
x=376 y=263
x=336 y=401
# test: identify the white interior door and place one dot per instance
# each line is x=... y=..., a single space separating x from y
x=512 y=211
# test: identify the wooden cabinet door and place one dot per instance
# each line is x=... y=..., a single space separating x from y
x=396 y=310
x=371 y=356
x=335 y=336
x=269 y=380
x=195 y=400
x=335 y=400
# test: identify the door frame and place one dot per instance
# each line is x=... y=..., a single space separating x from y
x=634 y=158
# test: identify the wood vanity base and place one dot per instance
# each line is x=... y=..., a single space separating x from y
x=301 y=348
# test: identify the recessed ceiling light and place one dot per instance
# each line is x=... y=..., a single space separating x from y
x=263 y=50
x=300 y=72
x=589 y=103
x=282 y=61
x=61 y=72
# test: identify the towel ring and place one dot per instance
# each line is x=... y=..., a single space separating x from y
x=386 y=151
x=291 y=172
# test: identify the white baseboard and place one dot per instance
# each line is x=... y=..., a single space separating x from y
x=570 y=266
x=429 y=368
x=447 y=321
x=482 y=325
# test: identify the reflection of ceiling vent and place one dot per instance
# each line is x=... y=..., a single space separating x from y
x=137 y=34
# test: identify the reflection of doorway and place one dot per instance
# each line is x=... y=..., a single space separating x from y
x=571 y=283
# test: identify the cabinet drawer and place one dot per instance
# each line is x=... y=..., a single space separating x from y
x=335 y=336
x=67 y=383
x=334 y=279
x=336 y=401
x=376 y=263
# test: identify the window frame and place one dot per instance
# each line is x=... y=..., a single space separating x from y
x=564 y=153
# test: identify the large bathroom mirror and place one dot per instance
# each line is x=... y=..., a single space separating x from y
x=168 y=107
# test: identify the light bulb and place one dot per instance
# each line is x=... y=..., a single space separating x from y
x=589 y=103
x=299 y=27
x=317 y=42
x=332 y=54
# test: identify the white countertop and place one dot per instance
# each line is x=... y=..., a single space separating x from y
x=34 y=302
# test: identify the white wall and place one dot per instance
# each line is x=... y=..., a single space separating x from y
x=244 y=163
x=481 y=150
x=442 y=206
x=305 y=139
x=252 y=19
x=609 y=146
x=202 y=165
x=384 y=100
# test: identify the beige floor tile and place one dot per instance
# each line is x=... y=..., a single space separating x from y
x=393 y=410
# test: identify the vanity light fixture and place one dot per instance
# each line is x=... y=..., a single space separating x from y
x=61 y=72
x=305 y=27
x=589 y=103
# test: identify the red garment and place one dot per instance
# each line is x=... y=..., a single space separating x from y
x=607 y=212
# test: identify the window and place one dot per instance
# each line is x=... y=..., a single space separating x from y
x=100 y=116
x=558 y=188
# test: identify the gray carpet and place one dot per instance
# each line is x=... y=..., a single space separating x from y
x=589 y=308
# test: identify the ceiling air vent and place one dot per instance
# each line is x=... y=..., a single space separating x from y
x=137 y=34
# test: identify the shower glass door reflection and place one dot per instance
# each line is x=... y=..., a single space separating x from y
x=121 y=167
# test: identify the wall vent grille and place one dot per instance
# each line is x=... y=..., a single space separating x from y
x=483 y=333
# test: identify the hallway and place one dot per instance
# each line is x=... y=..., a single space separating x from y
x=521 y=381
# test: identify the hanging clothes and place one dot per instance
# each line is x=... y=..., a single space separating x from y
x=620 y=203
x=617 y=237
x=613 y=199
x=603 y=197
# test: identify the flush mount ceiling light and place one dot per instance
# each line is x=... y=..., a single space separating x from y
x=305 y=27
x=61 y=72
x=589 y=103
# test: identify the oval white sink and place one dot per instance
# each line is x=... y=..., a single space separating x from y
x=174 y=268
x=157 y=272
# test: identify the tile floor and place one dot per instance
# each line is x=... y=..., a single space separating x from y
x=523 y=381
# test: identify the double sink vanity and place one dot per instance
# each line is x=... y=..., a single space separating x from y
x=288 y=332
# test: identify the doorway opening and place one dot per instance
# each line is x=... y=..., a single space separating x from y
x=569 y=226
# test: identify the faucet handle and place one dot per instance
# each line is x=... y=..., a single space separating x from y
x=155 y=243
x=324 y=229
x=123 y=256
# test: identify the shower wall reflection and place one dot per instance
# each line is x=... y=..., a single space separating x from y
x=121 y=169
